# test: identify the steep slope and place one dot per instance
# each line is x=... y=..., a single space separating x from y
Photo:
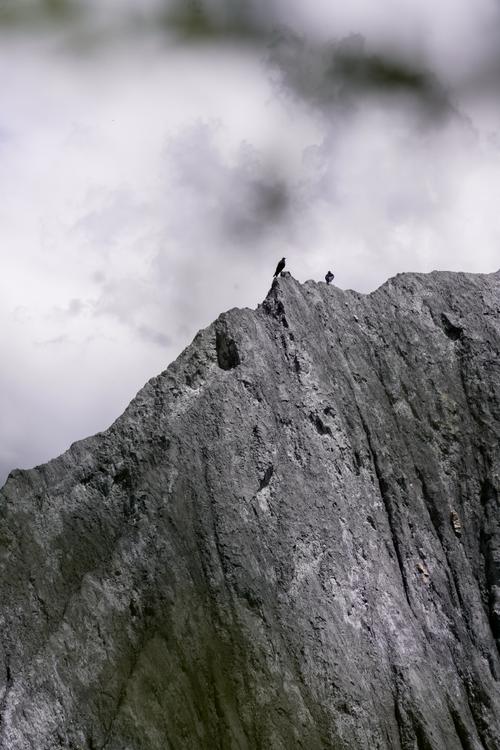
x=290 y=539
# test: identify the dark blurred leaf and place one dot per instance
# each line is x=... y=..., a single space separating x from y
x=196 y=20
x=29 y=12
x=386 y=74
x=339 y=72
x=326 y=75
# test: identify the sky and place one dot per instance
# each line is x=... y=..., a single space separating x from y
x=155 y=164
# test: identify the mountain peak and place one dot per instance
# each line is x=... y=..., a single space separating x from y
x=290 y=538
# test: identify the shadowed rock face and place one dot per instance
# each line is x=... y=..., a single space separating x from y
x=290 y=539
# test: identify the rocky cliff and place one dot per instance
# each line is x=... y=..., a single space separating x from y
x=290 y=539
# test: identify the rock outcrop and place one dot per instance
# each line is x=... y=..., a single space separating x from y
x=290 y=539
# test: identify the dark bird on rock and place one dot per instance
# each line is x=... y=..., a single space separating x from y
x=279 y=267
x=329 y=277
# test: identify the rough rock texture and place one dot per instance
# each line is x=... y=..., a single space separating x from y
x=290 y=539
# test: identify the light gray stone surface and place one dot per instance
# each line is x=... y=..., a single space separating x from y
x=290 y=539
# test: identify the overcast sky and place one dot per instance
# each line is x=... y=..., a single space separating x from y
x=155 y=165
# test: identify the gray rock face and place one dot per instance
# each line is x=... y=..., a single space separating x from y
x=290 y=539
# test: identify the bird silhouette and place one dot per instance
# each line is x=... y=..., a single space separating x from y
x=329 y=277
x=279 y=267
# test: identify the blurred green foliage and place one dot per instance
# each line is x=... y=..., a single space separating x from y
x=28 y=12
x=195 y=20
x=337 y=73
x=326 y=75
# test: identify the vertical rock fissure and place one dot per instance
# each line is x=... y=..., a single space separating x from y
x=431 y=506
x=437 y=522
x=8 y=686
x=231 y=627
x=490 y=548
x=423 y=742
x=463 y=734
x=406 y=728
x=120 y=699
x=389 y=509
x=475 y=712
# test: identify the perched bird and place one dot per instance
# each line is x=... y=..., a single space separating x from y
x=279 y=267
x=329 y=277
